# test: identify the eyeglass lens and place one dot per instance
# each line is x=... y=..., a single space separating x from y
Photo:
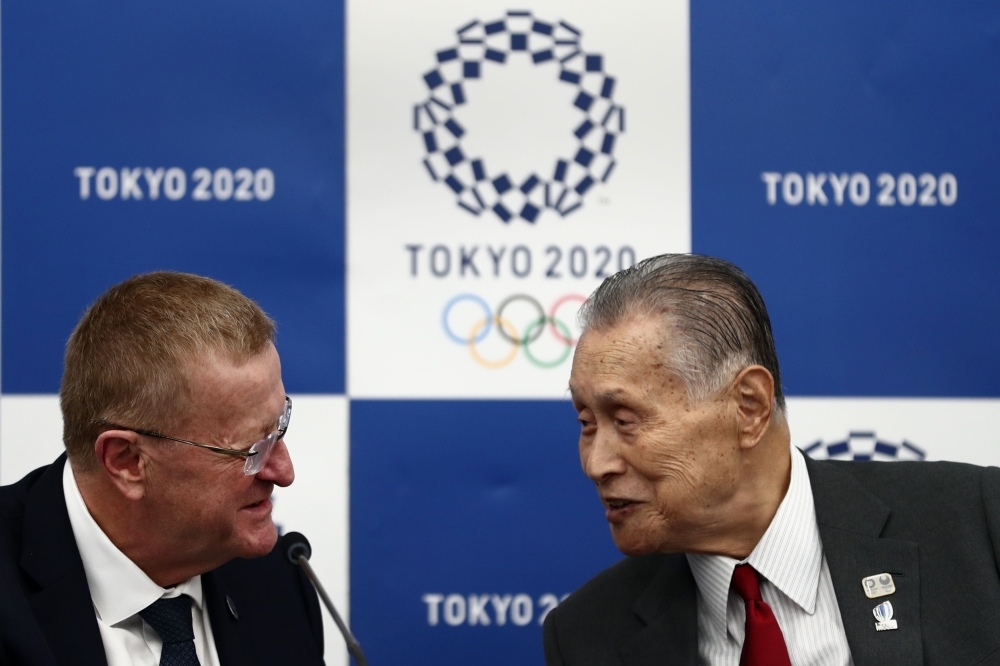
x=263 y=448
x=262 y=451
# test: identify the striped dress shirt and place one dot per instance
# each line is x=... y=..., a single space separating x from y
x=795 y=583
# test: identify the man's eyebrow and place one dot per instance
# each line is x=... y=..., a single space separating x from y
x=613 y=395
x=269 y=427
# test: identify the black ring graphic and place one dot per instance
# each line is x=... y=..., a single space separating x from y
x=538 y=328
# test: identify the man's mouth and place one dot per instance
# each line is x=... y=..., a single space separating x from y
x=261 y=505
x=618 y=509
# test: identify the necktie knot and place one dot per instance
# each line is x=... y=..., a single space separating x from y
x=746 y=582
x=171 y=620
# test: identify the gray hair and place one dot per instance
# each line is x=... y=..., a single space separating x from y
x=716 y=310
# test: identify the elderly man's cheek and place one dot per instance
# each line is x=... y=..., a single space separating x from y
x=673 y=477
x=644 y=532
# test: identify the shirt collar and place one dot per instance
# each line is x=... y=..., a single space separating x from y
x=118 y=587
x=789 y=555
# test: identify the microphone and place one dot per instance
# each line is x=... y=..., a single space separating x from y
x=299 y=552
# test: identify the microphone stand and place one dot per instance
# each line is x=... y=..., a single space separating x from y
x=299 y=554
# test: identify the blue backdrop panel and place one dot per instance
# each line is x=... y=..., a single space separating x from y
x=871 y=299
x=466 y=498
x=182 y=84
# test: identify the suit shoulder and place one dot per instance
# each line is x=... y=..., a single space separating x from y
x=13 y=499
x=591 y=625
x=613 y=592
x=918 y=478
x=907 y=468
x=620 y=583
x=921 y=495
x=14 y=495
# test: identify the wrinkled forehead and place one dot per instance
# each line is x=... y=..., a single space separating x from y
x=638 y=336
x=635 y=351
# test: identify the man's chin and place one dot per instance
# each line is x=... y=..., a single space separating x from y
x=633 y=545
x=259 y=542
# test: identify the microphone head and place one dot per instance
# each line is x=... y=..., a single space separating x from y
x=295 y=545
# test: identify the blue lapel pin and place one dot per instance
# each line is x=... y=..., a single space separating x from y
x=883 y=617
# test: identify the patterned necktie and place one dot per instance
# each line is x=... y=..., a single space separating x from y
x=764 y=645
x=171 y=620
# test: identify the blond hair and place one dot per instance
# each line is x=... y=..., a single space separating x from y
x=126 y=359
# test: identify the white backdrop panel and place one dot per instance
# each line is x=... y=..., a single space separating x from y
x=960 y=430
x=407 y=234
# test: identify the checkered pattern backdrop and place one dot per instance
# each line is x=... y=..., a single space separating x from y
x=422 y=195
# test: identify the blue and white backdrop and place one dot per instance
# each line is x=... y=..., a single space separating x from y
x=422 y=194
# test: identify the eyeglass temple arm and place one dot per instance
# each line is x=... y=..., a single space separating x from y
x=153 y=433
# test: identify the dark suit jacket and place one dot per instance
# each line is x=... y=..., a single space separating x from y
x=47 y=616
x=934 y=526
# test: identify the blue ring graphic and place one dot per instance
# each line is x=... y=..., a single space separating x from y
x=483 y=45
x=467 y=297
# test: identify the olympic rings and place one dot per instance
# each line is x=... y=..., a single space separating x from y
x=507 y=301
x=506 y=329
x=467 y=297
x=475 y=353
x=552 y=317
x=540 y=324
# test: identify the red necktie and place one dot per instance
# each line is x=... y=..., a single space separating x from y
x=764 y=645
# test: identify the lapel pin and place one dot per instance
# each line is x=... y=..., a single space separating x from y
x=232 y=607
x=883 y=615
x=879 y=585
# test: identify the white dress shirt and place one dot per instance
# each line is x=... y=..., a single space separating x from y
x=795 y=583
x=120 y=589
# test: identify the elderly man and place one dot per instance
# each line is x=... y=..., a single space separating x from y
x=137 y=546
x=742 y=550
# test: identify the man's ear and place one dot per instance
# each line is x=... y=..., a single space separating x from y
x=754 y=393
x=119 y=456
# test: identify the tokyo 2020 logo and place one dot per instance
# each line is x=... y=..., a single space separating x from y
x=482 y=184
x=517 y=325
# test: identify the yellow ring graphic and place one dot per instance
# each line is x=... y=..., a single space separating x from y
x=486 y=362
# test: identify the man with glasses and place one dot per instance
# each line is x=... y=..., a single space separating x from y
x=151 y=541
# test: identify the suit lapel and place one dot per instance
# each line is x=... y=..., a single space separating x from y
x=62 y=605
x=669 y=609
x=851 y=520
x=226 y=627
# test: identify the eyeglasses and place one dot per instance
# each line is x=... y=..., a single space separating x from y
x=256 y=456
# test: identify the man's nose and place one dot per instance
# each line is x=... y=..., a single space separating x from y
x=279 y=469
x=602 y=459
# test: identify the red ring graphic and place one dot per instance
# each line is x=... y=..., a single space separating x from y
x=552 y=316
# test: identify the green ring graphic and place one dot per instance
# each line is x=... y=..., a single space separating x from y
x=527 y=336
